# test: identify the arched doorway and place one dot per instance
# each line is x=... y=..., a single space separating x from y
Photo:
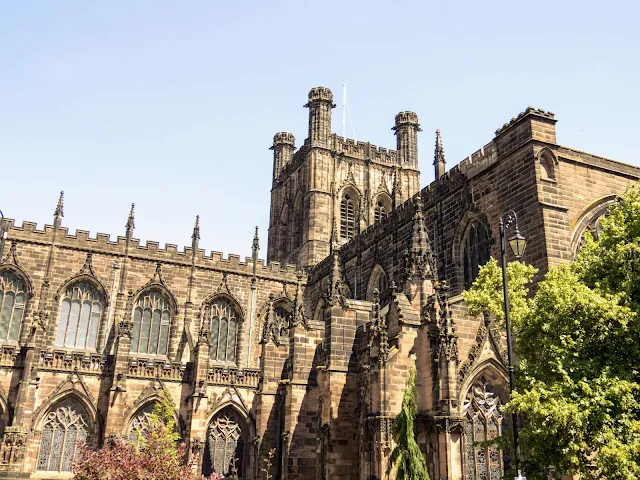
x=226 y=445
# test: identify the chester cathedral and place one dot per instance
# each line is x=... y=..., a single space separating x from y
x=305 y=354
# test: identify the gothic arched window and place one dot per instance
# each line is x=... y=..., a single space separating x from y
x=224 y=330
x=347 y=217
x=151 y=321
x=65 y=426
x=594 y=229
x=378 y=280
x=483 y=423
x=80 y=313
x=12 y=301
x=140 y=425
x=225 y=445
x=475 y=251
x=380 y=212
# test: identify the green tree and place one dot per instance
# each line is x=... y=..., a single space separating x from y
x=406 y=456
x=578 y=342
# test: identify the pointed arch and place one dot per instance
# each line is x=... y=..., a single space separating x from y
x=483 y=397
x=349 y=207
x=471 y=246
x=15 y=292
x=225 y=315
x=548 y=164
x=381 y=207
x=228 y=430
x=153 y=311
x=82 y=306
x=68 y=420
x=276 y=319
x=589 y=219
x=377 y=280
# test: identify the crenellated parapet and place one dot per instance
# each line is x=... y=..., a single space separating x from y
x=101 y=243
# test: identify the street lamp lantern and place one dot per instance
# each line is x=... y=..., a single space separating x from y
x=517 y=243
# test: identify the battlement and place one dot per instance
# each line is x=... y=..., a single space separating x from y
x=284 y=138
x=406 y=118
x=320 y=94
x=102 y=243
x=529 y=111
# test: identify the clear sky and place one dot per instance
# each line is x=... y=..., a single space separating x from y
x=173 y=104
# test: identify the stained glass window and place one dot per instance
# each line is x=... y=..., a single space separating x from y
x=347 y=217
x=80 y=313
x=140 y=424
x=151 y=321
x=225 y=444
x=475 y=251
x=12 y=300
x=64 y=427
x=483 y=422
x=224 y=330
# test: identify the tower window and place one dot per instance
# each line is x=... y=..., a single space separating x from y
x=380 y=212
x=347 y=217
x=475 y=252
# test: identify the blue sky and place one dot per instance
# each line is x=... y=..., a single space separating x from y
x=173 y=105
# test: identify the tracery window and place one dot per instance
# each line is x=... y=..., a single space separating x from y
x=475 y=251
x=80 y=313
x=380 y=212
x=64 y=427
x=225 y=445
x=347 y=217
x=224 y=330
x=595 y=230
x=151 y=321
x=12 y=300
x=483 y=422
x=140 y=425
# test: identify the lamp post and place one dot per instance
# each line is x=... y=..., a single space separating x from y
x=517 y=243
x=3 y=235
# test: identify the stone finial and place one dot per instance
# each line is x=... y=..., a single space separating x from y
x=131 y=220
x=59 y=208
x=255 y=246
x=320 y=94
x=418 y=261
x=438 y=157
x=196 y=229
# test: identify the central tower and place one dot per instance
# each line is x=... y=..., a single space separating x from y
x=333 y=182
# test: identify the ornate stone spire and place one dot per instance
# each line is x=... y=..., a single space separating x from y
x=59 y=208
x=418 y=260
x=131 y=220
x=438 y=158
x=447 y=340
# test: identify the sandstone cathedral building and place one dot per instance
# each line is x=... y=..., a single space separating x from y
x=306 y=354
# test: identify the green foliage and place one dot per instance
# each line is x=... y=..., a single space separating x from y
x=485 y=295
x=578 y=386
x=163 y=413
x=406 y=456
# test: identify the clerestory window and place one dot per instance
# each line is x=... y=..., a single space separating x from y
x=151 y=322
x=80 y=313
x=380 y=212
x=12 y=301
x=224 y=330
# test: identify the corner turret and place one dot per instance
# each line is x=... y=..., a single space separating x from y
x=283 y=147
x=407 y=128
x=320 y=105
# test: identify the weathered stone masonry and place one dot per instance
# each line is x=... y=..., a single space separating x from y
x=310 y=358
